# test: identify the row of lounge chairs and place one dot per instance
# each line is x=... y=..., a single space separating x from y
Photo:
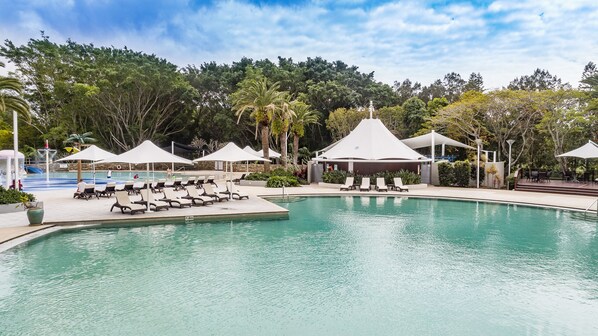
x=170 y=199
x=380 y=184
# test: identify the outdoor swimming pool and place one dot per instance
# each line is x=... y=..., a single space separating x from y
x=339 y=265
x=37 y=182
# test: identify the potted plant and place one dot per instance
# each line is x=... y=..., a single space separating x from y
x=35 y=210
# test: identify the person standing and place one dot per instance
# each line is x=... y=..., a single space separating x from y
x=109 y=174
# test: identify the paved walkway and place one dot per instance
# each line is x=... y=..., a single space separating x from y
x=62 y=209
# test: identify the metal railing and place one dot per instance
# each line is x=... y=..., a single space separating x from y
x=588 y=208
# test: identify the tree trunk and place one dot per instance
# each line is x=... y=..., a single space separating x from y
x=79 y=172
x=295 y=149
x=266 y=148
x=283 y=149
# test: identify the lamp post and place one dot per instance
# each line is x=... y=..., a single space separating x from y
x=478 y=143
x=510 y=142
x=15 y=127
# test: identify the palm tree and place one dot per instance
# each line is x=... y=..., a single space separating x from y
x=281 y=123
x=303 y=116
x=261 y=100
x=11 y=100
x=77 y=140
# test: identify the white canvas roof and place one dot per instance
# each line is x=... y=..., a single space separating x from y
x=272 y=153
x=439 y=139
x=230 y=153
x=9 y=153
x=251 y=151
x=91 y=153
x=371 y=140
x=587 y=151
x=147 y=152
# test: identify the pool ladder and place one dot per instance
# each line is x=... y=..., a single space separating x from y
x=588 y=208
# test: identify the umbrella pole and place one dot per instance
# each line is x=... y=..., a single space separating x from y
x=230 y=193
x=147 y=188
x=93 y=165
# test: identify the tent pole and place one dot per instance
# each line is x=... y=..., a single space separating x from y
x=147 y=188
x=432 y=151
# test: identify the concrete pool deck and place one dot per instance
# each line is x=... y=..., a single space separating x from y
x=62 y=210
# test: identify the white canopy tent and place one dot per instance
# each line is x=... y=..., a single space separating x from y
x=587 y=151
x=229 y=154
x=433 y=139
x=8 y=155
x=251 y=151
x=271 y=152
x=370 y=141
x=147 y=152
x=92 y=153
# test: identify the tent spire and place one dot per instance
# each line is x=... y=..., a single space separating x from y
x=371 y=109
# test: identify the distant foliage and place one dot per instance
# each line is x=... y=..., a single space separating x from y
x=11 y=196
x=446 y=174
x=335 y=176
x=461 y=173
x=282 y=181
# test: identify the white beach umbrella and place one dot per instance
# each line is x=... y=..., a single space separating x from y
x=272 y=153
x=147 y=152
x=231 y=153
x=92 y=153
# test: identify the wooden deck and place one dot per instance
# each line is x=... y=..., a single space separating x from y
x=559 y=186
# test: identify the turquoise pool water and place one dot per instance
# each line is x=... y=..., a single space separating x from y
x=338 y=266
x=68 y=180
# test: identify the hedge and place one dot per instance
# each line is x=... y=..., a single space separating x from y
x=10 y=196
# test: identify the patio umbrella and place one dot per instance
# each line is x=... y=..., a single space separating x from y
x=92 y=153
x=587 y=151
x=229 y=154
x=147 y=152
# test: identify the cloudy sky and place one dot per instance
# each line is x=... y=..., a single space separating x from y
x=420 y=40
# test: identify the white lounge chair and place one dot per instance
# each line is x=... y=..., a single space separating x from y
x=348 y=183
x=209 y=191
x=380 y=184
x=196 y=198
x=123 y=202
x=365 y=184
x=399 y=184
x=170 y=197
x=153 y=202
x=230 y=188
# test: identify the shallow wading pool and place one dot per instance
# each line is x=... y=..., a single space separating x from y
x=339 y=265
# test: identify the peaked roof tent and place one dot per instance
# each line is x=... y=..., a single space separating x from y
x=433 y=139
x=587 y=151
x=370 y=141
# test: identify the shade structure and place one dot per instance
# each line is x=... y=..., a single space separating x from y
x=371 y=141
x=587 y=151
x=231 y=153
x=433 y=139
x=10 y=154
x=91 y=153
x=271 y=153
x=147 y=152
x=251 y=151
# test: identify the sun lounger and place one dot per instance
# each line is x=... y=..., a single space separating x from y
x=129 y=188
x=178 y=184
x=189 y=182
x=365 y=184
x=201 y=180
x=123 y=202
x=209 y=191
x=158 y=205
x=87 y=193
x=196 y=198
x=170 y=197
x=211 y=179
x=238 y=180
x=159 y=185
x=399 y=184
x=138 y=187
x=108 y=191
x=348 y=183
x=230 y=187
x=381 y=184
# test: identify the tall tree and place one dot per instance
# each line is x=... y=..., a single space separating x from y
x=454 y=86
x=281 y=123
x=475 y=83
x=538 y=81
x=77 y=140
x=260 y=99
x=303 y=117
x=414 y=115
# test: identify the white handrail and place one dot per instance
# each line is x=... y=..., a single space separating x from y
x=588 y=208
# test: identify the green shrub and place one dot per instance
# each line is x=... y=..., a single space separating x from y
x=335 y=176
x=11 y=196
x=473 y=174
x=446 y=174
x=461 y=172
x=257 y=177
x=511 y=182
x=282 y=172
x=282 y=181
x=408 y=177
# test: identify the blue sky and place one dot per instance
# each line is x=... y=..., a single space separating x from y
x=420 y=40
